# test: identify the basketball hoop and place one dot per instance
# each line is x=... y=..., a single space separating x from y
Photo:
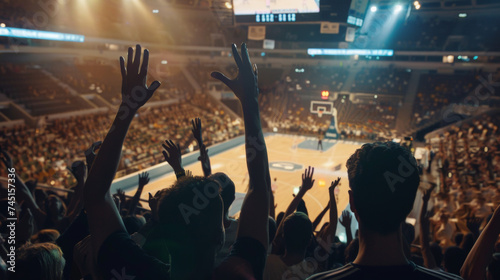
x=320 y=112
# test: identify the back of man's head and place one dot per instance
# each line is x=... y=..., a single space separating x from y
x=384 y=179
x=297 y=232
x=192 y=207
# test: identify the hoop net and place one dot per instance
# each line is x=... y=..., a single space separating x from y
x=320 y=112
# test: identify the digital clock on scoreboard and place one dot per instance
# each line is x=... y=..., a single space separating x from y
x=276 y=18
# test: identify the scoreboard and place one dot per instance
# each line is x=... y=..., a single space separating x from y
x=289 y=11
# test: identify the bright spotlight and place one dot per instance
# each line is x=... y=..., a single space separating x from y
x=398 y=8
x=462 y=15
x=373 y=9
x=417 y=5
x=228 y=5
x=2 y=25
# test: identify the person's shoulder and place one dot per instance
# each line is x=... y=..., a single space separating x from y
x=425 y=273
x=348 y=271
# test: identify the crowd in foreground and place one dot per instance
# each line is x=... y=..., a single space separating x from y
x=188 y=234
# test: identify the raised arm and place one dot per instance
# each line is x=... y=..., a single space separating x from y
x=429 y=260
x=90 y=154
x=103 y=216
x=79 y=171
x=172 y=154
x=143 y=181
x=329 y=233
x=253 y=221
x=480 y=256
x=205 y=160
x=307 y=184
x=345 y=221
x=320 y=216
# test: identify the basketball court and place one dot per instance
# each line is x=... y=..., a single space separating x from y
x=288 y=157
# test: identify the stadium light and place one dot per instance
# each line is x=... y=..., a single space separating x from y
x=228 y=5
x=398 y=8
x=373 y=9
x=2 y=25
x=155 y=11
x=462 y=15
x=417 y=5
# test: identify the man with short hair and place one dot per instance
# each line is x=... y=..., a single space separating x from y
x=297 y=233
x=383 y=178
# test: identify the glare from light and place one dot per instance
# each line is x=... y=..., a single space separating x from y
x=398 y=8
x=155 y=11
x=417 y=5
x=373 y=9
x=375 y=96
x=2 y=25
x=228 y=5
x=462 y=15
x=164 y=62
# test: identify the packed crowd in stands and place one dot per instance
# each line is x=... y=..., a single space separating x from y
x=93 y=234
x=47 y=158
x=436 y=91
x=381 y=81
x=434 y=33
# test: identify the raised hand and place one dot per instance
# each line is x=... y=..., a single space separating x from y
x=244 y=85
x=307 y=181
x=135 y=92
x=197 y=130
x=90 y=153
x=345 y=219
x=121 y=195
x=79 y=171
x=143 y=179
x=153 y=205
x=205 y=160
x=172 y=154
x=334 y=184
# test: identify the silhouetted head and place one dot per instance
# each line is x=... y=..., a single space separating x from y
x=133 y=223
x=279 y=218
x=41 y=261
x=437 y=252
x=383 y=178
x=55 y=206
x=454 y=258
x=191 y=212
x=228 y=192
x=297 y=232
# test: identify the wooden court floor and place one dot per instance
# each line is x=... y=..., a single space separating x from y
x=288 y=157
